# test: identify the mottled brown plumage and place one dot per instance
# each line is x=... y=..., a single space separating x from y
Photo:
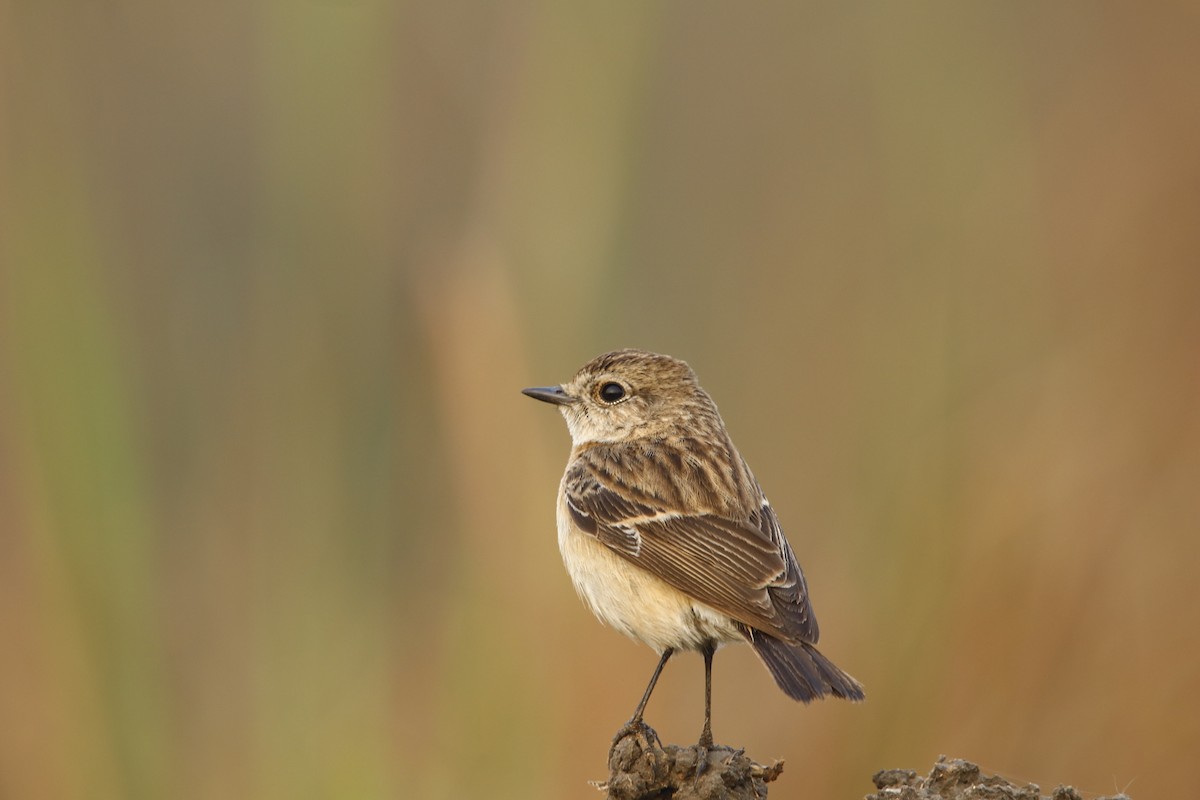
x=667 y=535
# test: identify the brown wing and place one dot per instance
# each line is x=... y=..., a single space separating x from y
x=746 y=570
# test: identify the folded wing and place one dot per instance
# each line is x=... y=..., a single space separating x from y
x=745 y=569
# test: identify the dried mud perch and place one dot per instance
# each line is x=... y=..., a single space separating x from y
x=641 y=768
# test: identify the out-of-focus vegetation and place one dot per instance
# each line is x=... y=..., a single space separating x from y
x=275 y=521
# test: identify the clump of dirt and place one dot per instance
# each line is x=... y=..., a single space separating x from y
x=956 y=779
x=641 y=768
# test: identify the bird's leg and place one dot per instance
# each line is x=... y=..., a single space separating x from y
x=641 y=707
x=635 y=724
x=706 y=738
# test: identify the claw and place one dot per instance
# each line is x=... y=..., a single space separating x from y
x=702 y=747
x=701 y=760
x=639 y=729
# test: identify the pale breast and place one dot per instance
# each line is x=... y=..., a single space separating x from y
x=634 y=601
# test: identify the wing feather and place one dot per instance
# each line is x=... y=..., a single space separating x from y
x=745 y=569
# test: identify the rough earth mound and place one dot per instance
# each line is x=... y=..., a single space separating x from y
x=641 y=768
x=956 y=779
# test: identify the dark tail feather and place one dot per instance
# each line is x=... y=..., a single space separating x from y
x=801 y=671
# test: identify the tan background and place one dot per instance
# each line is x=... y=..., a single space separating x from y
x=275 y=521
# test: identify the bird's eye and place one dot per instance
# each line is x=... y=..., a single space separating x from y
x=611 y=392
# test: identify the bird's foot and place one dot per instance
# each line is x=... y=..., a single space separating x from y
x=702 y=748
x=642 y=733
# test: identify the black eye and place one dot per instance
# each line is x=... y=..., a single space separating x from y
x=612 y=392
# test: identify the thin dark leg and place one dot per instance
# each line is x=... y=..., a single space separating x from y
x=706 y=739
x=641 y=708
x=635 y=726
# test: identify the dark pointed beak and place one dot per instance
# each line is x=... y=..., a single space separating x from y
x=549 y=394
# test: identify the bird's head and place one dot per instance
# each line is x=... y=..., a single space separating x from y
x=631 y=394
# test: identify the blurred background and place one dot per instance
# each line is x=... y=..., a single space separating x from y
x=276 y=522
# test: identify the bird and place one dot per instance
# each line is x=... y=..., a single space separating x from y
x=668 y=537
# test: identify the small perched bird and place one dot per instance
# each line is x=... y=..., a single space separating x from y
x=668 y=537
